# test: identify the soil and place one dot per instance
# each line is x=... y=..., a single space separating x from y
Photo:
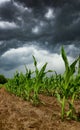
x=17 y=114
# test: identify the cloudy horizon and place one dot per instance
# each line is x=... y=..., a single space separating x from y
x=28 y=28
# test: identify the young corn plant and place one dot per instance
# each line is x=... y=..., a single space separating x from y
x=39 y=75
x=69 y=71
x=51 y=84
x=28 y=85
x=16 y=84
x=79 y=65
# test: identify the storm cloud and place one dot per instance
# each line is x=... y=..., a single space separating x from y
x=61 y=23
x=28 y=27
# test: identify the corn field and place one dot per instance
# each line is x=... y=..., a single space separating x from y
x=65 y=87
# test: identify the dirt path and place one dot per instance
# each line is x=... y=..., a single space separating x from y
x=16 y=114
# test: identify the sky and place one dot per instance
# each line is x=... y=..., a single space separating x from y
x=39 y=28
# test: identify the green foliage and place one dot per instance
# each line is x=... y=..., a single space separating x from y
x=20 y=84
x=1 y=86
x=52 y=84
x=39 y=77
x=65 y=87
x=3 y=80
x=79 y=65
x=28 y=84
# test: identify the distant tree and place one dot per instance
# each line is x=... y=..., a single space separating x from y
x=2 y=79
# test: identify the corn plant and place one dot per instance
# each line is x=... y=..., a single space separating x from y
x=69 y=71
x=49 y=86
x=16 y=84
x=52 y=83
x=28 y=84
x=39 y=75
x=79 y=65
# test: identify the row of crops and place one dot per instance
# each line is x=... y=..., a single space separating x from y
x=65 y=87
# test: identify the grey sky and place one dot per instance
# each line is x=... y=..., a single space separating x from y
x=45 y=25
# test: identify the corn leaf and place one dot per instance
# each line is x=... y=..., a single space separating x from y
x=72 y=66
x=35 y=62
x=65 y=58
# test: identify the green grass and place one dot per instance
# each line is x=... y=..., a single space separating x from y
x=1 y=85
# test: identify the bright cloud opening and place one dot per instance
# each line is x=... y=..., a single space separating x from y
x=50 y=14
x=2 y=1
x=36 y=30
x=23 y=56
x=7 y=25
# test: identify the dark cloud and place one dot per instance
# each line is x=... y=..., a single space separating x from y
x=44 y=23
x=8 y=11
x=67 y=23
x=64 y=27
x=7 y=44
x=42 y=3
